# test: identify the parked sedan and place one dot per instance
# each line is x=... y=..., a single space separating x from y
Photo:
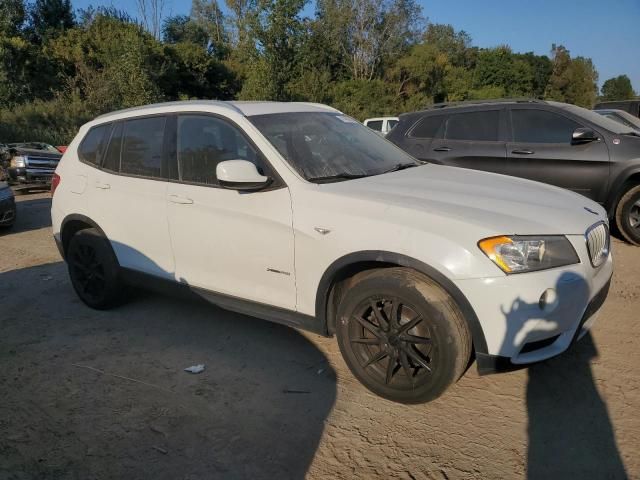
x=7 y=206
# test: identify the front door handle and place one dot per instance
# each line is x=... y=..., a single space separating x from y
x=442 y=149
x=180 y=200
x=523 y=152
x=103 y=186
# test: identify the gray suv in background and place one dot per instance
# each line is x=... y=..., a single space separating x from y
x=549 y=142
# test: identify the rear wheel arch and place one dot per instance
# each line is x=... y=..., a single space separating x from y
x=346 y=267
x=72 y=224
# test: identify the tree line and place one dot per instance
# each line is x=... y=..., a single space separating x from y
x=60 y=68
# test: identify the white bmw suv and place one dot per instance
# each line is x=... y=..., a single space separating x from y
x=298 y=214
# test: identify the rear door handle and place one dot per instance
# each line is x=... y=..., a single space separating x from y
x=180 y=200
x=523 y=152
x=442 y=149
x=103 y=186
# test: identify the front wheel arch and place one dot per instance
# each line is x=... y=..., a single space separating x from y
x=356 y=262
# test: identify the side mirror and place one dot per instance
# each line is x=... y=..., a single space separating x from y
x=240 y=175
x=583 y=135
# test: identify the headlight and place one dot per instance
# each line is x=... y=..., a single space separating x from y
x=520 y=254
x=17 y=162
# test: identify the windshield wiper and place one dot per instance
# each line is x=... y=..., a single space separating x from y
x=400 y=166
x=337 y=176
x=634 y=133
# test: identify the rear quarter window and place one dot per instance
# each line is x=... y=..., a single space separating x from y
x=93 y=144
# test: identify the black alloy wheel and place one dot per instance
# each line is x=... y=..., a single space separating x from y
x=402 y=335
x=94 y=269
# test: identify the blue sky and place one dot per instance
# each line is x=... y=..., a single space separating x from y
x=607 y=32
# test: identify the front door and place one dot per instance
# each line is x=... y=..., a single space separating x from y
x=225 y=241
x=541 y=150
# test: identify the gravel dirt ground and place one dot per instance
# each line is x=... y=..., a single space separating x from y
x=86 y=394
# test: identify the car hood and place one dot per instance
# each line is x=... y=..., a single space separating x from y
x=32 y=152
x=496 y=204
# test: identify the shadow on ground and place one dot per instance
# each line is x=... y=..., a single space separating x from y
x=257 y=411
x=570 y=432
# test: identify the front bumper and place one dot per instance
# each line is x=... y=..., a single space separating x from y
x=488 y=364
x=31 y=176
x=521 y=325
x=7 y=211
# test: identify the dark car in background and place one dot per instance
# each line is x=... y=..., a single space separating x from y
x=549 y=142
x=7 y=206
x=629 y=106
x=32 y=164
x=620 y=116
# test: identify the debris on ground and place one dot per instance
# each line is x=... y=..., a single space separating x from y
x=195 y=368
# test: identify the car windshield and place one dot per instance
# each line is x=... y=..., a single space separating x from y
x=35 y=146
x=325 y=146
x=622 y=117
x=599 y=120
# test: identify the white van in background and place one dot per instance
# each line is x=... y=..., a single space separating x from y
x=382 y=125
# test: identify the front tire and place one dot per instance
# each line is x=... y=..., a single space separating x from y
x=628 y=215
x=94 y=270
x=402 y=335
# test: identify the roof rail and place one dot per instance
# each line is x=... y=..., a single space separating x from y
x=481 y=102
x=220 y=103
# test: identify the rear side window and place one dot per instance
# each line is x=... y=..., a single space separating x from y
x=205 y=141
x=428 y=127
x=474 y=126
x=375 y=125
x=142 y=147
x=93 y=144
x=112 y=156
x=392 y=123
x=540 y=126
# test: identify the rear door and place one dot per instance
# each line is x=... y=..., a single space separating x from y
x=541 y=150
x=127 y=196
x=471 y=139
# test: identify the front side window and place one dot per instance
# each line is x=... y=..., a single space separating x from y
x=375 y=125
x=540 y=126
x=93 y=144
x=142 y=147
x=473 y=126
x=391 y=124
x=203 y=142
x=323 y=146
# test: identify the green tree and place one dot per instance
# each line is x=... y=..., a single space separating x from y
x=572 y=80
x=618 y=88
x=49 y=18
x=277 y=30
x=12 y=17
x=181 y=28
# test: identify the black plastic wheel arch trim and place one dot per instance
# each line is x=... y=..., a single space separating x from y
x=384 y=257
x=79 y=218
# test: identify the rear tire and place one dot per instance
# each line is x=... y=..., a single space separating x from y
x=628 y=215
x=402 y=335
x=94 y=270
